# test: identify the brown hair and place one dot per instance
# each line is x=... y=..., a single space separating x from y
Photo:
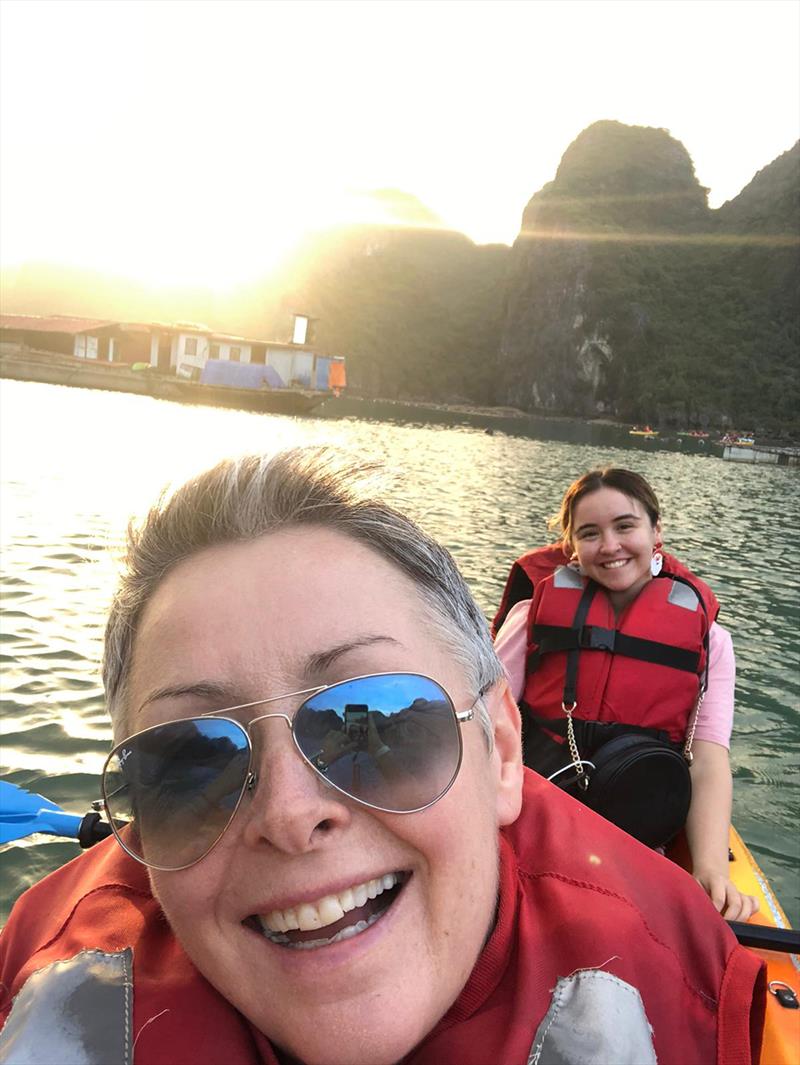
x=631 y=484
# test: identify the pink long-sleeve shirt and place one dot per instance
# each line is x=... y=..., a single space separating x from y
x=715 y=721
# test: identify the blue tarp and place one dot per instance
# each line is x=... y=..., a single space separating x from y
x=321 y=378
x=222 y=373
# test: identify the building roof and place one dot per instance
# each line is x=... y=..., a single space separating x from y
x=229 y=338
x=69 y=325
x=55 y=324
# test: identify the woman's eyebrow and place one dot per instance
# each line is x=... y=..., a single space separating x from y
x=202 y=689
x=321 y=660
x=314 y=664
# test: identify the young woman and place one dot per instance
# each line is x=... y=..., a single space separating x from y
x=617 y=637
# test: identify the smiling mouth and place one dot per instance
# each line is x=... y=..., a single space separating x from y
x=618 y=563
x=333 y=918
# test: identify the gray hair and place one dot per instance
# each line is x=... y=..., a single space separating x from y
x=242 y=499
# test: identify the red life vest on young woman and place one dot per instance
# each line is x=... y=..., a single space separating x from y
x=538 y=563
x=602 y=951
x=643 y=668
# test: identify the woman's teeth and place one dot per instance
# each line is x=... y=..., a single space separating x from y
x=345 y=933
x=615 y=564
x=309 y=916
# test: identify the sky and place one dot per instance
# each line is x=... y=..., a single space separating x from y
x=194 y=141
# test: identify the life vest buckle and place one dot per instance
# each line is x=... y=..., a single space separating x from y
x=596 y=638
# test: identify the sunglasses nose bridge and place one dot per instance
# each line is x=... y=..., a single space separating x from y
x=253 y=775
x=267 y=717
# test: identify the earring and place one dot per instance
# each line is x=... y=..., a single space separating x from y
x=575 y=564
x=656 y=562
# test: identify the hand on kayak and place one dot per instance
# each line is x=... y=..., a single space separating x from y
x=733 y=904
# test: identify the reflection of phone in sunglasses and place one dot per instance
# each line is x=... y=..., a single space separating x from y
x=355 y=720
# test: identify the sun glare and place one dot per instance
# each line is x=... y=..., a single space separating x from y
x=188 y=143
x=202 y=249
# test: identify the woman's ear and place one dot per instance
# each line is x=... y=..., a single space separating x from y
x=507 y=755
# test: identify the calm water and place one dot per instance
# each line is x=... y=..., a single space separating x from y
x=76 y=464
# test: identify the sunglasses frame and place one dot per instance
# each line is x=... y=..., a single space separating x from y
x=251 y=777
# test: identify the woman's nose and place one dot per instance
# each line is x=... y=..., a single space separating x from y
x=609 y=540
x=290 y=807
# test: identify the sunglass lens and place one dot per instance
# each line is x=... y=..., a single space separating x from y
x=177 y=785
x=390 y=740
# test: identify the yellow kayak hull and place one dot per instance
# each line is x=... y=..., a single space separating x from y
x=782 y=1028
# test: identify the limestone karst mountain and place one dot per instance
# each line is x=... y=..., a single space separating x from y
x=628 y=295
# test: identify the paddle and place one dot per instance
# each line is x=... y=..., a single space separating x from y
x=22 y=813
x=764 y=937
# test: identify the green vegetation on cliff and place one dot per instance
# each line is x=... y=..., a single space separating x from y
x=418 y=312
x=628 y=295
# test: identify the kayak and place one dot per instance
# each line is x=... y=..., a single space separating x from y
x=782 y=1027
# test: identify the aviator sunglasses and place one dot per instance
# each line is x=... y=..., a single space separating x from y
x=389 y=741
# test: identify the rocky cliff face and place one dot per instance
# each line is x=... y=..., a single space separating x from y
x=628 y=296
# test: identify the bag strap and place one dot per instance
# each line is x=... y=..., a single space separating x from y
x=687 y=746
x=569 y=701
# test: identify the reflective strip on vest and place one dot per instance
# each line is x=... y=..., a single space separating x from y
x=681 y=594
x=594 y=1018
x=567 y=577
x=75 y=1012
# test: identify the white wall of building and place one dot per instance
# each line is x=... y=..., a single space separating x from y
x=198 y=357
x=303 y=368
x=219 y=349
x=281 y=360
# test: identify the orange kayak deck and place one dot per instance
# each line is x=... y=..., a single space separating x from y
x=782 y=1027
x=781 y=1045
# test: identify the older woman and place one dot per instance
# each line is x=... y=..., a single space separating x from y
x=330 y=851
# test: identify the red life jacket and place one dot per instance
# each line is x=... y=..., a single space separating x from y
x=540 y=562
x=525 y=574
x=576 y=896
x=643 y=668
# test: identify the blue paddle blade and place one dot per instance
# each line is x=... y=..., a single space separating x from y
x=22 y=813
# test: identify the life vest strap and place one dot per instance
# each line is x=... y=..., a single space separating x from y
x=591 y=735
x=550 y=638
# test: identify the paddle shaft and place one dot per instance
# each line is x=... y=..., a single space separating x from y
x=23 y=813
x=764 y=937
